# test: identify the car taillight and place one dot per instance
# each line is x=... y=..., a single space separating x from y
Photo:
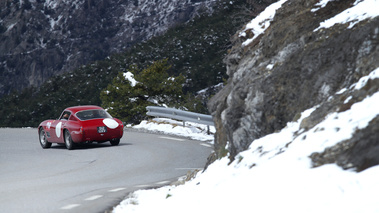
x=81 y=130
x=122 y=128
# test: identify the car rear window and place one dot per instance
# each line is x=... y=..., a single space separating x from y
x=92 y=114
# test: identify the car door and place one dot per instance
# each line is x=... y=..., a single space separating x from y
x=56 y=128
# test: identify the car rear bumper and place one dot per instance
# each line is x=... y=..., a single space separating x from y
x=92 y=135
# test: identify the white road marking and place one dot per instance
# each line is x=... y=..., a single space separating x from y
x=189 y=168
x=71 y=206
x=95 y=197
x=175 y=139
x=142 y=186
x=162 y=182
x=205 y=144
x=116 y=190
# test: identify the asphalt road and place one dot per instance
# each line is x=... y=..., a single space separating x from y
x=91 y=178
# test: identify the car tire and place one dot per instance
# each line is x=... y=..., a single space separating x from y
x=115 y=141
x=68 y=140
x=42 y=139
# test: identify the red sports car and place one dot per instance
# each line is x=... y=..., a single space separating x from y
x=81 y=124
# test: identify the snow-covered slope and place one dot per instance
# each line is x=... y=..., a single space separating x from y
x=276 y=173
x=302 y=167
x=292 y=57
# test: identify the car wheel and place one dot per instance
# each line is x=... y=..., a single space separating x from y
x=43 y=140
x=68 y=140
x=115 y=141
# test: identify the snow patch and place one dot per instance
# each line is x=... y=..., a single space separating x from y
x=320 y=5
x=10 y=27
x=130 y=77
x=363 y=81
x=168 y=126
x=259 y=24
x=55 y=22
x=361 y=10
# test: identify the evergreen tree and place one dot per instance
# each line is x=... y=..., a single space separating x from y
x=127 y=100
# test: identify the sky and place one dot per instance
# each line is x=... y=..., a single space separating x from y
x=275 y=174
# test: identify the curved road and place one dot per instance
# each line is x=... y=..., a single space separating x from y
x=91 y=178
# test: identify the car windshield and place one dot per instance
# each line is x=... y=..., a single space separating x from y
x=92 y=114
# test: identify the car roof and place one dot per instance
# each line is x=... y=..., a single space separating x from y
x=76 y=109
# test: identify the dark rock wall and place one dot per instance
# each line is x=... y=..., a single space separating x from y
x=288 y=69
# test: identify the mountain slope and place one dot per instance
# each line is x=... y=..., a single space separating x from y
x=194 y=49
x=299 y=117
x=40 y=39
x=296 y=62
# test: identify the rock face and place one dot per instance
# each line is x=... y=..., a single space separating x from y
x=294 y=66
x=40 y=39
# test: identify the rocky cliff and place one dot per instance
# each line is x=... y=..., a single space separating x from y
x=39 y=39
x=294 y=61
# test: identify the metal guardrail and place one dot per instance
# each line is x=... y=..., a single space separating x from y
x=181 y=115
